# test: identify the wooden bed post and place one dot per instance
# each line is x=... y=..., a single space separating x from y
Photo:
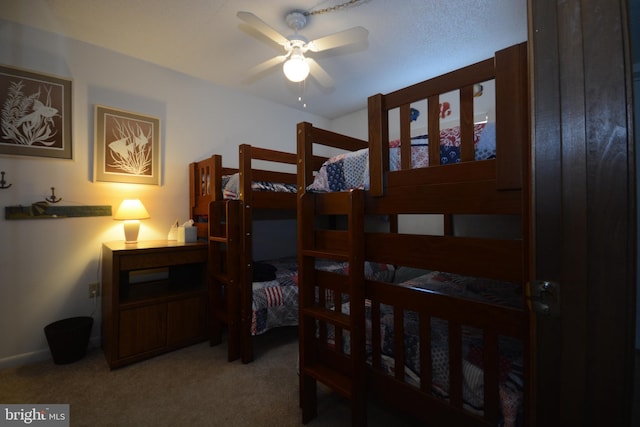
x=378 y=143
x=306 y=326
x=216 y=178
x=194 y=184
x=246 y=253
x=513 y=107
x=467 y=147
x=405 y=136
x=224 y=293
x=433 y=106
x=304 y=140
x=357 y=320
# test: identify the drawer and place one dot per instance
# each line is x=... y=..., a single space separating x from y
x=149 y=259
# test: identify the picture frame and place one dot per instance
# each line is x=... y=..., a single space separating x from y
x=127 y=146
x=35 y=114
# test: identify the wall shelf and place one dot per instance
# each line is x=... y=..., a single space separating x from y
x=43 y=210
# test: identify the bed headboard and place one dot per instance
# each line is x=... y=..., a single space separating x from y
x=205 y=185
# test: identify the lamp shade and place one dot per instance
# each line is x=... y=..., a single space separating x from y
x=296 y=68
x=131 y=211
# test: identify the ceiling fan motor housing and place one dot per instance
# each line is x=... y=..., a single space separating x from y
x=297 y=44
x=296 y=20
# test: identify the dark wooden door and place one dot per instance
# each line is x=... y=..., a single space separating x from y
x=584 y=210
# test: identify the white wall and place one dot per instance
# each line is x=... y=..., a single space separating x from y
x=46 y=265
x=355 y=125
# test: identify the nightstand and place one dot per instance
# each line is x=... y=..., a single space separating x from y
x=154 y=298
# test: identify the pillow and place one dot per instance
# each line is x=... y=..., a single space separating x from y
x=263 y=272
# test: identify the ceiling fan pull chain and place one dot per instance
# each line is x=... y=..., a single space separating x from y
x=301 y=100
x=333 y=8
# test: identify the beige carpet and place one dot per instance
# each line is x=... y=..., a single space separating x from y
x=194 y=386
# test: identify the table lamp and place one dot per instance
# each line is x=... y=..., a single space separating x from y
x=131 y=211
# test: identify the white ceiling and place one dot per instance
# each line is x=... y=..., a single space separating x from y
x=409 y=40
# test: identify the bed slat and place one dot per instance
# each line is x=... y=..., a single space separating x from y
x=426 y=373
x=467 y=147
x=491 y=355
x=478 y=197
x=512 y=114
x=405 y=137
x=455 y=364
x=433 y=110
x=398 y=345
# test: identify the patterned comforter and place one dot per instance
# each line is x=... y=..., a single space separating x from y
x=510 y=374
x=231 y=186
x=484 y=290
x=275 y=302
x=351 y=170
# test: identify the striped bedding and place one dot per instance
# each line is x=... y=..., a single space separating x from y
x=231 y=186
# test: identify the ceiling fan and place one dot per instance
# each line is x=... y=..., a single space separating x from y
x=297 y=66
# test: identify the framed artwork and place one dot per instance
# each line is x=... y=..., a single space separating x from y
x=127 y=147
x=35 y=115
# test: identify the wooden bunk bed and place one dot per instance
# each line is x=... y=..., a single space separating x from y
x=379 y=338
x=224 y=203
x=276 y=200
x=247 y=296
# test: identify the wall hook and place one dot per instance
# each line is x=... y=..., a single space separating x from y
x=3 y=183
x=52 y=198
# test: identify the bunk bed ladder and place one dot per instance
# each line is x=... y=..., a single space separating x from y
x=224 y=250
x=325 y=323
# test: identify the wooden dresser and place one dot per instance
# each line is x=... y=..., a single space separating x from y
x=154 y=298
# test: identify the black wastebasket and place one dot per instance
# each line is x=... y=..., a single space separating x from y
x=68 y=339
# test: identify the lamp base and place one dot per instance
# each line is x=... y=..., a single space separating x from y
x=131 y=229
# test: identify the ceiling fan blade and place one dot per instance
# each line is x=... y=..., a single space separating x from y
x=352 y=35
x=263 y=27
x=266 y=65
x=319 y=73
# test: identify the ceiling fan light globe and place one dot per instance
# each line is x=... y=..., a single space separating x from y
x=296 y=69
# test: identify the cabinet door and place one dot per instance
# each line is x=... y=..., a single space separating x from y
x=186 y=320
x=142 y=329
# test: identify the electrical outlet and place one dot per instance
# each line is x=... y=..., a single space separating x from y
x=94 y=290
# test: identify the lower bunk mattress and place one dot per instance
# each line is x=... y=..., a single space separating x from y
x=510 y=349
x=275 y=289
